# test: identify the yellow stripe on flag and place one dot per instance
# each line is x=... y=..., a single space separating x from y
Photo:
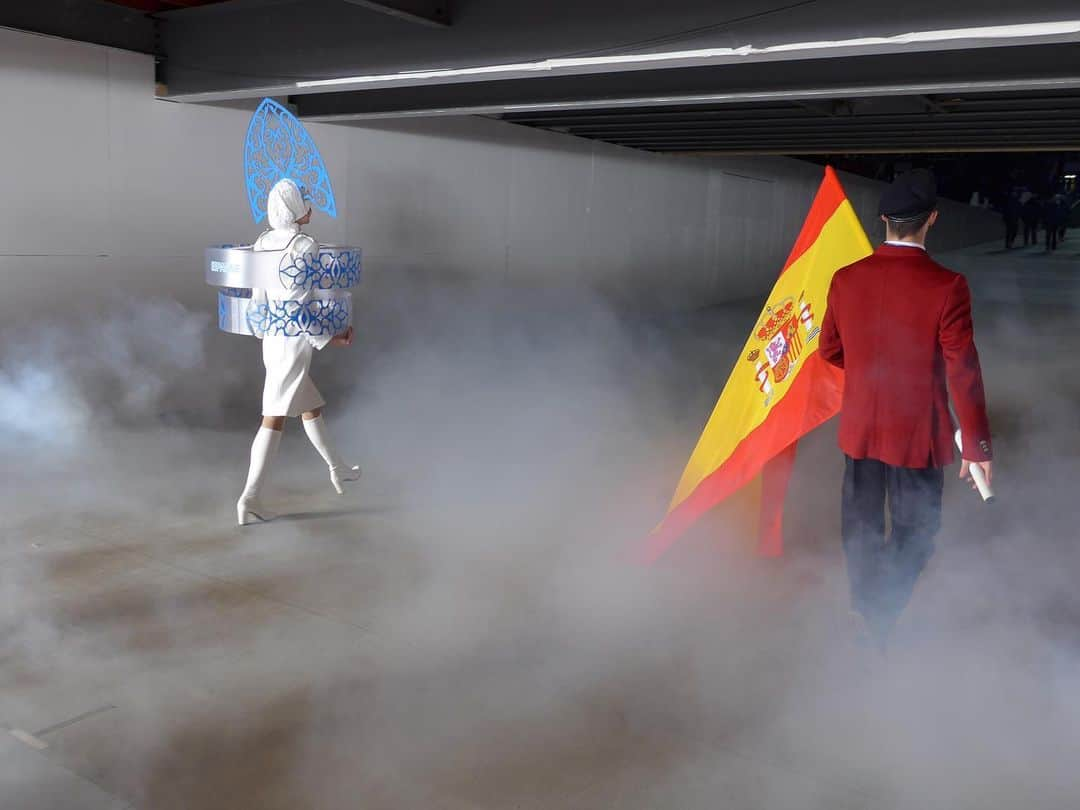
x=741 y=407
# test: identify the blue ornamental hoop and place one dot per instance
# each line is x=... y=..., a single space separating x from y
x=333 y=268
x=297 y=318
x=277 y=147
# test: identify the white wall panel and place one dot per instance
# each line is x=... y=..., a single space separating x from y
x=54 y=139
x=428 y=197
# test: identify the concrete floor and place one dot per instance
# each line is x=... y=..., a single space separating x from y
x=464 y=630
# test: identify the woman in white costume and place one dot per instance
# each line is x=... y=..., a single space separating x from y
x=289 y=390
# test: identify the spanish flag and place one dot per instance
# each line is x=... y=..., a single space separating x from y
x=780 y=388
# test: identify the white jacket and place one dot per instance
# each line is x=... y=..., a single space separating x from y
x=284 y=205
x=289 y=389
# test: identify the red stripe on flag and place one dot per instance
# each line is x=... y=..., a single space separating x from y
x=809 y=402
x=775 y=476
x=829 y=197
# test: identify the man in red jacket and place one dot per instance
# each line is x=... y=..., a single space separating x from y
x=899 y=324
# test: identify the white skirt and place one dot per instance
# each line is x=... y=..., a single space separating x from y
x=289 y=390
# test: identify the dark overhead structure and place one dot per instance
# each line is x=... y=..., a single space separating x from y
x=950 y=122
x=787 y=76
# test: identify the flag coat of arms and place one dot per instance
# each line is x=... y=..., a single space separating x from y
x=780 y=388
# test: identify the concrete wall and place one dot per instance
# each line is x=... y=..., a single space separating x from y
x=475 y=196
x=108 y=191
x=763 y=200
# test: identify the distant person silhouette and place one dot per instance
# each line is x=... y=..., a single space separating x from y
x=1030 y=213
x=1010 y=212
x=1054 y=214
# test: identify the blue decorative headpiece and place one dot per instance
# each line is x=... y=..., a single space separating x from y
x=276 y=147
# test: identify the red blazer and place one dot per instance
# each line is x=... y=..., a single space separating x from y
x=899 y=324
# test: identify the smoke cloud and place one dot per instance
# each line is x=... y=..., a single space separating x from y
x=467 y=628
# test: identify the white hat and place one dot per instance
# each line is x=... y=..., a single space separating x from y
x=285 y=204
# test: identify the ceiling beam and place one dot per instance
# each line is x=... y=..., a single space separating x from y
x=914 y=134
x=576 y=82
x=97 y=23
x=809 y=128
x=478 y=100
x=932 y=105
x=435 y=13
x=939 y=149
x=887 y=149
x=749 y=118
x=1063 y=143
x=228 y=7
x=871 y=139
x=969 y=105
x=822 y=108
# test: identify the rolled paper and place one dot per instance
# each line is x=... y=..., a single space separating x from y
x=981 y=484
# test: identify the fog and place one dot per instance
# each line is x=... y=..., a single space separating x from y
x=468 y=626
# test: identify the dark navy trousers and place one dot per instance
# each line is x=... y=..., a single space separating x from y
x=882 y=570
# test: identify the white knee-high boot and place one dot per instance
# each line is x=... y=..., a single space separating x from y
x=339 y=470
x=263 y=449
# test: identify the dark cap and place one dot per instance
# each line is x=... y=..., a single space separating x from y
x=909 y=196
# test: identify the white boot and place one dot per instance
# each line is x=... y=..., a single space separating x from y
x=263 y=449
x=340 y=472
x=339 y=475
